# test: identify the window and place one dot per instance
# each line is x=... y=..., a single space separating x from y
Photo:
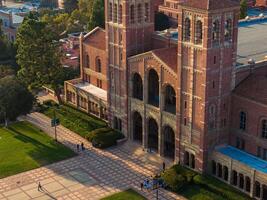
x=132 y=14
x=146 y=12
x=198 y=34
x=115 y=13
x=264 y=129
x=120 y=14
x=264 y=156
x=187 y=29
x=214 y=60
x=213 y=84
x=87 y=61
x=228 y=30
x=259 y=152
x=139 y=10
x=216 y=32
x=99 y=83
x=185 y=104
x=243 y=121
x=98 y=64
x=185 y=121
x=110 y=11
x=86 y=78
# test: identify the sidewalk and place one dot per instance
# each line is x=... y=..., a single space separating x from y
x=93 y=174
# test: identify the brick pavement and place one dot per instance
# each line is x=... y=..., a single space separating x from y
x=92 y=174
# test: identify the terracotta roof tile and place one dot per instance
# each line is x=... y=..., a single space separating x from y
x=96 y=38
x=210 y=4
x=254 y=88
x=168 y=56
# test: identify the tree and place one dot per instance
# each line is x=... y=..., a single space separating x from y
x=243 y=9
x=38 y=56
x=70 y=5
x=161 y=21
x=7 y=51
x=15 y=99
x=98 y=15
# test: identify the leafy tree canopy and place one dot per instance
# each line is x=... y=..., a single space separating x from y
x=15 y=99
x=6 y=71
x=98 y=15
x=243 y=9
x=70 y=5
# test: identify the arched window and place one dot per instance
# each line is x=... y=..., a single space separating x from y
x=153 y=88
x=242 y=120
x=198 y=34
x=214 y=168
x=248 y=184
x=257 y=189
x=115 y=13
x=219 y=166
x=216 y=32
x=137 y=87
x=241 y=181
x=187 y=29
x=234 y=177
x=170 y=99
x=87 y=61
x=225 y=173
x=132 y=14
x=228 y=30
x=110 y=12
x=139 y=10
x=146 y=12
x=264 y=129
x=120 y=14
x=98 y=64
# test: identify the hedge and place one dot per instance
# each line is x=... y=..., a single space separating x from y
x=104 y=137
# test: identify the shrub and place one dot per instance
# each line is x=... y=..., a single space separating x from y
x=104 y=137
x=187 y=173
x=173 y=180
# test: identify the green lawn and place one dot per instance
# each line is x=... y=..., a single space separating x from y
x=126 y=195
x=73 y=119
x=24 y=147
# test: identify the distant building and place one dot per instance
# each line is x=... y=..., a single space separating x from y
x=10 y=23
x=49 y=4
x=70 y=48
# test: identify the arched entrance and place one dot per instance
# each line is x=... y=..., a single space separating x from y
x=170 y=100
x=137 y=127
x=153 y=88
x=169 y=142
x=137 y=87
x=153 y=134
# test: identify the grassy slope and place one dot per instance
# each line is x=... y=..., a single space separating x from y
x=24 y=147
x=126 y=195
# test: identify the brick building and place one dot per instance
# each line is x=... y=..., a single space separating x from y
x=179 y=94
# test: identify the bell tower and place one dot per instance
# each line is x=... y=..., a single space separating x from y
x=207 y=48
x=129 y=26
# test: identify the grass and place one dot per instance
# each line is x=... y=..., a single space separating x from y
x=125 y=195
x=73 y=119
x=24 y=147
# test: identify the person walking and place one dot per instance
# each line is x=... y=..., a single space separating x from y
x=163 y=166
x=82 y=146
x=78 y=147
x=39 y=186
x=142 y=186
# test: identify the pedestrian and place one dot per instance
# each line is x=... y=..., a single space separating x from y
x=39 y=186
x=82 y=146
x=142 y=186
x=163 y=166
x=78 y=147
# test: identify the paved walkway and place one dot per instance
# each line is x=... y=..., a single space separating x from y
x=93 y=174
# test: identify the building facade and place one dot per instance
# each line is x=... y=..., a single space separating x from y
x=179 y=94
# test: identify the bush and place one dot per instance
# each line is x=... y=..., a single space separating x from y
x=104 y=137
x=187 y=173
x=173 y=180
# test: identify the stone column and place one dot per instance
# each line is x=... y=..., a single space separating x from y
x=252 y=181
x=230 y=172
x=145 y=134
x=261 y=191
x=160 y=138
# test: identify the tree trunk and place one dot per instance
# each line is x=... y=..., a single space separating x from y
x=57 y=93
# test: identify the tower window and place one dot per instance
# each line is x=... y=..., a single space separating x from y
x=115 y=13
x=228 y=30
x=187 y=29
x=185 y=122
x=264 y=129
x=242 y=121
x=120 y=14
x=146 y=12
x=216 y=32
x=132 y=14
x=110 y=11
x=98 y=64
x=198 y=34
x=139 y=13
x=213 y=84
